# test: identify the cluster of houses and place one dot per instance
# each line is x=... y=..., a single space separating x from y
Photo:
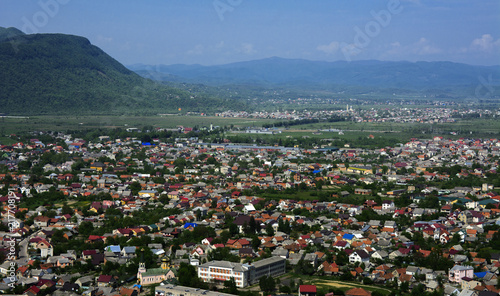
x=400 y=115
x=132 y=177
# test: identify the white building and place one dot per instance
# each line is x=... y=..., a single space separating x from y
x=359 y=256
x=244 y=274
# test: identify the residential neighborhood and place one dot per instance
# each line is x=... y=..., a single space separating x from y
x=125 y=216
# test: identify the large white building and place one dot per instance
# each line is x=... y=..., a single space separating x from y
x=244 y=274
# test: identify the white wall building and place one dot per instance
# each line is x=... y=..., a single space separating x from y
x=244 y=274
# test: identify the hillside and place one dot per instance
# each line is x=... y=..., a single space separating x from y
x=65 y=74
x=420 y=76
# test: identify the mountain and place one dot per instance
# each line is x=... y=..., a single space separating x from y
x=6 y=33
x=418 y=76
x=66 y=74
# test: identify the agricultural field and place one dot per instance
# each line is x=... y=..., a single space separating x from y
x=20 y=124
x=323 y=133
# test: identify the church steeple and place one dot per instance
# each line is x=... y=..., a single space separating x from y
x=142 y=264
x=164 y=264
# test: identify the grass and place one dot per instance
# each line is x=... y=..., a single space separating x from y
x=476 y=128
x=344 y=286
x=325 y=284
x=63 y=123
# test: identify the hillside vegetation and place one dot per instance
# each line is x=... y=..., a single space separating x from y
x=65 y=74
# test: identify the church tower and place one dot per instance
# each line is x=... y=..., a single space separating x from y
x=164 y=264
x=142 y=265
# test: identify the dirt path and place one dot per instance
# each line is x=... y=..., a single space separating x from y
x=340 y=284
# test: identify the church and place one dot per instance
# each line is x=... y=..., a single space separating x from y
x=154 y=275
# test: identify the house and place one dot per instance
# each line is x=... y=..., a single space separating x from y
x=98 y=166
x=348 y=237
x=147 y=193
x=129 y=292
x=128 y=251
x=113 y=248
x=32 y=291
x=330 y=269
x=380 y=255
x=413 y=270
x=458 y=272
x=84 y=282
x=467 y=292
x=469 y=284
x=341 y=245
x=387 y=204
x=307 y=290
x=359 y=256
x=45 y=248
x=87 y=254
x=105 y=280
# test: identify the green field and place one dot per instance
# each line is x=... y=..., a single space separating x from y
x=344 y=286
x=11 y=125
x=391 y=132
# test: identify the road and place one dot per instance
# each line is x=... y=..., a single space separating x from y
x=23 y=252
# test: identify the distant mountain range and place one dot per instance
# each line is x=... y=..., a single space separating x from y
x=418 y=76
x=63 y=74
x=66 y=74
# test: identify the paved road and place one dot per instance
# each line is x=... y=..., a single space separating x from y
x=23 y=252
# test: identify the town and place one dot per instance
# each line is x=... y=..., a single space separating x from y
x=181 y=216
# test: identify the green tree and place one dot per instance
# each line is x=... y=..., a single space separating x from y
x=230 y=286
x=187 y=275
x=267 y=284
x=404 y=286
x=270 y=229
x=86 y=228
x=67 y=210
x=135 y=187
x=255 y=243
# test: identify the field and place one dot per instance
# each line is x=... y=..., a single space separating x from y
x=344 y=286
x=11 y=125
x=390 y=132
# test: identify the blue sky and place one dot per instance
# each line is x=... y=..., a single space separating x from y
x=212 y=32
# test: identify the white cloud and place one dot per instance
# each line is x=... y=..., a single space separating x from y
x=485 y=44
x=197 y=50
x=421 y=47
x=246 y=48
x=424 y=47
x=331 y=48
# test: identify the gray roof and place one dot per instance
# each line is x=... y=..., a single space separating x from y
x=461 y=267
x=129 y=250
x=225 y=264
x=266 y=261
